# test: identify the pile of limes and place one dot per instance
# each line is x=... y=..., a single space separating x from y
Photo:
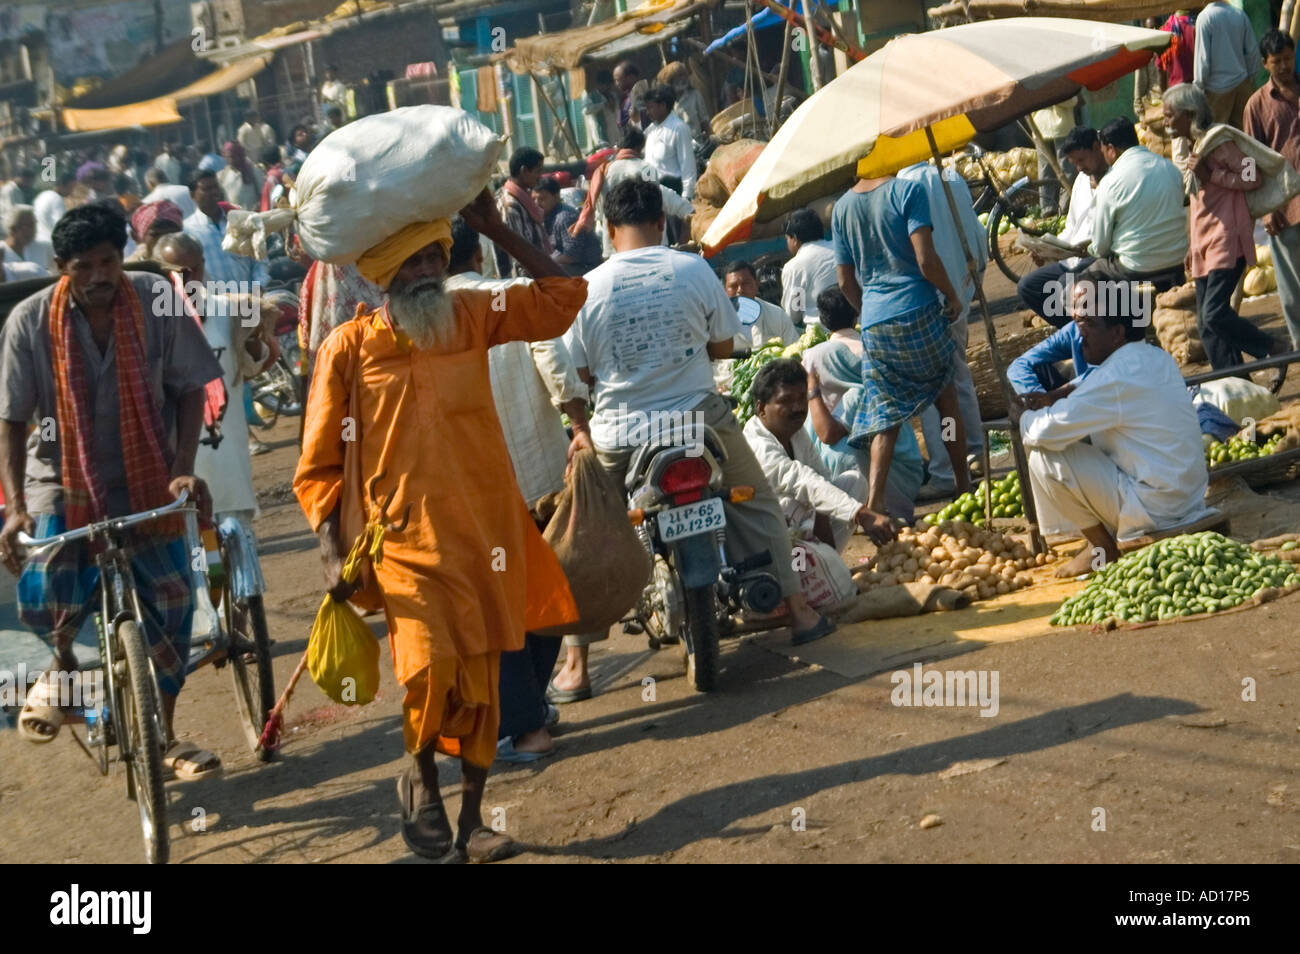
x=970 y=506
x=1218 y=454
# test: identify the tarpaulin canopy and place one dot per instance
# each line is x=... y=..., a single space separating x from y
x=873 y=119
x=763 y=19
x=567 y=49
x=163 y=109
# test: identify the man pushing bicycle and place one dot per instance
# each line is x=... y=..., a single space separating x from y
x=114 y=380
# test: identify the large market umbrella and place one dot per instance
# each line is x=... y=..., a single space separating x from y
x=872 y=120
x=919 y=96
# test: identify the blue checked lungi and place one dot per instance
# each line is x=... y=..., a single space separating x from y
x=907 y=361
x=58 y=587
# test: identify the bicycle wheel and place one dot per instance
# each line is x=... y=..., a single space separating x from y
x=144 y=738
x=250 y=667
x=1019 y=210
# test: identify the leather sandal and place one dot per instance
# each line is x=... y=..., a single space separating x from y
x=426 y=830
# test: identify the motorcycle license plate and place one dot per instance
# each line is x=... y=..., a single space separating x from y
x=692 y=519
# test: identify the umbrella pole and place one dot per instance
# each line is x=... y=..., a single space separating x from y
x=1017 y=448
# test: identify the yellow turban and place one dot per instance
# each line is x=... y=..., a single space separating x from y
x=380 y=264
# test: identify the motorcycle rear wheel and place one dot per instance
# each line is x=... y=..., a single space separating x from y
x=701 y=638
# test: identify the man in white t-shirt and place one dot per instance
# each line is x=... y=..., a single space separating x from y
x=156 y=181
x=653 y=321
x=21 y=244
x=49 y=204
x=1082 y=147
x=811 y=270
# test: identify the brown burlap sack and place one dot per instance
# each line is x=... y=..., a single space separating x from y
x=904 y=599
x=604 y=560
x=711 y=189
x=730 y=162
x=1177 y=332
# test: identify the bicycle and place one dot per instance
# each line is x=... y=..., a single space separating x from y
x=128 y=715
x=1018 y=206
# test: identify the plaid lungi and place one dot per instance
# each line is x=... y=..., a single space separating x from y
x=907 y=361
x=58 y=587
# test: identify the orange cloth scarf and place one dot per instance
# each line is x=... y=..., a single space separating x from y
x=85 y=497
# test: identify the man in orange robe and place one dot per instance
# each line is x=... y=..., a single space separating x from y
x=470 y=573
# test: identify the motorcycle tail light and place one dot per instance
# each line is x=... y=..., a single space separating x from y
x=685 y=476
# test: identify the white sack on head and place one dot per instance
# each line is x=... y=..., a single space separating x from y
x=246 y=232
x=369 y=179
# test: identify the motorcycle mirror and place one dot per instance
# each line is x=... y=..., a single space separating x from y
x=748 y=309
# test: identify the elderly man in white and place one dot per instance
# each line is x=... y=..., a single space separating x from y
x=812 y=501
x=1117 y=453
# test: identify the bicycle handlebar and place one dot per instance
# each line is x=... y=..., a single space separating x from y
x=116 y=523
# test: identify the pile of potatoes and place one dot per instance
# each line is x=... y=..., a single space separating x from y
x=981 y=563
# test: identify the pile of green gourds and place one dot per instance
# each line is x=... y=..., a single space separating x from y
x=1179 y=576
x=1238 y=449
x=743 y=374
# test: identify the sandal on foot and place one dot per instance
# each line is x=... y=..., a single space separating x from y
x=426 y=830
x=42 y=717
x=186 y=762
x=561 y=696
x=823 y=627
x=485 y=845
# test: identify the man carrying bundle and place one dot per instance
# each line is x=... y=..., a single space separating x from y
x=469 y=574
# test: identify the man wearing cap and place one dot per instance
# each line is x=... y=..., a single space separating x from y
x=150 y=222
x=405 y=387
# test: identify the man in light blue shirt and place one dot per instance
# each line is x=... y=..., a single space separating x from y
x=949 y=246
x=1035 y=372
x=1226 y=60
x=1139 y=229
x=208 y=226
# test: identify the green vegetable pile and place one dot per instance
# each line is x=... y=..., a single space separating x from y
x=1237 y=449
x=1179 y=576
x=970 y=506
x=743 y=374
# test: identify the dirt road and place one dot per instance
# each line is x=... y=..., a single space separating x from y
x=1128 y=746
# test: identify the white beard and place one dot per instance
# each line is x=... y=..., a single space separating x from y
x=424 y=311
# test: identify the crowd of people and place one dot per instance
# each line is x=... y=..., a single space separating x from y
x=502 y=342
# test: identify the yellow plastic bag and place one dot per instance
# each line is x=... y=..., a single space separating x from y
x=342 y=653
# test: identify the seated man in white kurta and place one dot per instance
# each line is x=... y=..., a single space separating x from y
x=814 y=503
x=1117 y=453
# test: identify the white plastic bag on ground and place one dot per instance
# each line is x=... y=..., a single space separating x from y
x=373 y=177
x=1239 y=398
x=824 y=579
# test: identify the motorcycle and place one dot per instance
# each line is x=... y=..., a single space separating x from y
x=276 y=390
x=676 y=499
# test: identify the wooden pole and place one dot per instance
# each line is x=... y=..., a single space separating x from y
x=775 y=119
x=1017 y=447
x=814 y=61
x=561 y=121
x=1040 y=143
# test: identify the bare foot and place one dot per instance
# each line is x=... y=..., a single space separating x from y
x=1079 y=564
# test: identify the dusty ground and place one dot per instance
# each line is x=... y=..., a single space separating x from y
x=1149 y=727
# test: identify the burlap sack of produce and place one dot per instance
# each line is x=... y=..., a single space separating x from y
x=702 y=218
x=1286 y=421
x=730 y=162
x=1177 y=332
x=605 y=562
x=371 y=178
x=710 y=189
x=902 y=599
